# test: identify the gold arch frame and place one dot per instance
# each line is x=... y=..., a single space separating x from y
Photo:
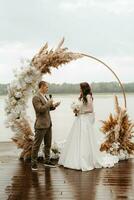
x=108 y=67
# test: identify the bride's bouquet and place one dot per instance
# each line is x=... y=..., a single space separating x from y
x=75 y=107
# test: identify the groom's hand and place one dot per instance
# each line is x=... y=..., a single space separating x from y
x=50 y=102
x=56 y=104
x=53 y=107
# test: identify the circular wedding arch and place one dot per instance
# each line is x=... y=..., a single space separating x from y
x=109 y=68
x=27 y=80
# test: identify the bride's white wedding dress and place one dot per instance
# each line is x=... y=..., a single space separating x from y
x=81 y=150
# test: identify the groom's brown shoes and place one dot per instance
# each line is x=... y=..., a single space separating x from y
x=34 y=167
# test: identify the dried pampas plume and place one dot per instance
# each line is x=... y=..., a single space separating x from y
x=46 y=58
x=118 y=130
x=43 y=61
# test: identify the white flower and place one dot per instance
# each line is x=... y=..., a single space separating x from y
x=54 y=156
x=19 y=86
x=115 y=145
x=123 y=155
x=22 y=101
x=13 y=101
x=55 y=151
x=20 y=89
x=18 y=94
x=125 y=152
x=28 y=79
x=55 y=148
x=111 y=149
x=18 y=109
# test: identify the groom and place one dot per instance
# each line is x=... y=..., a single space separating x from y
x=43 y=124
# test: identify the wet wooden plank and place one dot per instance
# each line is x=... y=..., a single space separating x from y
x=18 y=182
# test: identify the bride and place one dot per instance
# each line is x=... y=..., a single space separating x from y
x=81 y=150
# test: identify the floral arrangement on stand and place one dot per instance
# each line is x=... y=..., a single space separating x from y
x=119 y=131
x=16 y=104
x=76 y=107
x=54 y=153
x=22 y=87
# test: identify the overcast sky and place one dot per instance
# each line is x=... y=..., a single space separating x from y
x=102 y=28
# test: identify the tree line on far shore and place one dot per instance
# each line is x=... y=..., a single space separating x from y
x=66 y=88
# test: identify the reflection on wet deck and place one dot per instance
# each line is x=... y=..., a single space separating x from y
x=18 y=182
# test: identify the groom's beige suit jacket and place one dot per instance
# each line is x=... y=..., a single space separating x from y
x=42 y=109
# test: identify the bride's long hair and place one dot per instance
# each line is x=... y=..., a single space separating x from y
x=85 y=90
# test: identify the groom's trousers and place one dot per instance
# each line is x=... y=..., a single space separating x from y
x=40 y=135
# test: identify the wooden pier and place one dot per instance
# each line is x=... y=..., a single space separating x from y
x=18 y=182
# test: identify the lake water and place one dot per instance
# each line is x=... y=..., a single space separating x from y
x=63 y=116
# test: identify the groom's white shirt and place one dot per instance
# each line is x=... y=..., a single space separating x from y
x=43 y=96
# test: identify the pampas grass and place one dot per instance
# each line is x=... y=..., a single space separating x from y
x=118 y=130
x=46 y=58
x=41 y=64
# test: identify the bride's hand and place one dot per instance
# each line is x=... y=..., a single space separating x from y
x=75 y=111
